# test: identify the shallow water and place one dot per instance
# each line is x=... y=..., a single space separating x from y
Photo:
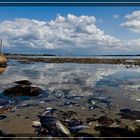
x=70 y=82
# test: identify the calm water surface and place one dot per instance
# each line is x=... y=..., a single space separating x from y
x=79 y=79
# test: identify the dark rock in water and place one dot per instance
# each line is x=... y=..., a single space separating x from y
x=27 y=117
x=75 y=129
x=125 y=110
x=2 y=117
x=92 y=107
x=23 y=82
x=116 y=132
x=49 y=111
x=23 y=90
x=50 y=100
x=68 y=103
x=25 y=62
x=54 y=126
x=3 y=102
x=83 y=136
x=75 y=125
x=75 y=122
x=128 y=114
x=99 y=99
x=105 y=121
x=26 y=105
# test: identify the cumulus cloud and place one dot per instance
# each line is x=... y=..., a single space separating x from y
x=70 y=33
x=76 y=32
x=133 y=21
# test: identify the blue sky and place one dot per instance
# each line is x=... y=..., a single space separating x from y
x=108 y=20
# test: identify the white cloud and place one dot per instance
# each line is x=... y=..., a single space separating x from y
x=133 y=21
x=76 y=32
x=70 y=33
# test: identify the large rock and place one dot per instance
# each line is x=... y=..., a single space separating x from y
x=23 y=89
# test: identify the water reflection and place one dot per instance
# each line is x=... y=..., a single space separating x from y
x=80 y=79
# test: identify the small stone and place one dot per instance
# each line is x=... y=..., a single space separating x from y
x=36 y=124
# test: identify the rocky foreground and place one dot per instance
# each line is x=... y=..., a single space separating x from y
x=67 y=120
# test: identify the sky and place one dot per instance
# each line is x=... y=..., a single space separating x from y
x=69 y=30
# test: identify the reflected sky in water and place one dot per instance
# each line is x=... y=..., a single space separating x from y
x=80 y=79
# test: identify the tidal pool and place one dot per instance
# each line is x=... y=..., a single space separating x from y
x=90 y=91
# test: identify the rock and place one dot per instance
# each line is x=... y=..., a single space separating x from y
x=48 y=111
x=75 y=129
x=92 y=107
x=23 y=90
x=23 y=82
x=54 y=126
x=26 y=105
x=125 y=110
x=138 y=121
x=36 y=124
x=106 y=131
x=93 y=101
x=69 y=103
x=105 y=121
x=74 y=122
x=130 y=115
x=2 y=117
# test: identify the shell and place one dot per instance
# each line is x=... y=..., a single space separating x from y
x=36 y=124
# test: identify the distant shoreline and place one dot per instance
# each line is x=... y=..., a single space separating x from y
x=22 y=54
x=93 y=60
